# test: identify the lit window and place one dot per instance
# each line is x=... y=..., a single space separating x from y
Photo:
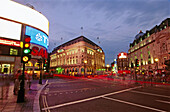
x=148 y=52
x=141 y=55
x=13 y=51
x=82 y=50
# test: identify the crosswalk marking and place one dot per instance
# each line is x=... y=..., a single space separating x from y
x=134 y=104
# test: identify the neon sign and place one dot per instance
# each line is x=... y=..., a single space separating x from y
x=9 y=42
x=123 y=55
x=36 y=52
x=37 y=36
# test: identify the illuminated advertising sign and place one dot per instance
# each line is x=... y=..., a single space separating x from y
x=23 y=14
x=37 y=36
x=39 y=52
x=122 y=55
x=10 y=29
x=9 y=42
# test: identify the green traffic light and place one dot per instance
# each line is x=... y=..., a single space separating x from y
x=26 y=51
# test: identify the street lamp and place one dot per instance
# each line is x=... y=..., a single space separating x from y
x=85 y=61
x=156 y=60
x=107 y=66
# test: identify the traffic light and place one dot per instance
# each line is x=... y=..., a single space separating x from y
x=137 y=63
x=44 y=63
x=26 y=52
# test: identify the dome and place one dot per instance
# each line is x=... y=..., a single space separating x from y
x=139 y=34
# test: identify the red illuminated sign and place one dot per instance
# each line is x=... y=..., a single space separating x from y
x=9 y=42
x=36 y=52
x=122 y=55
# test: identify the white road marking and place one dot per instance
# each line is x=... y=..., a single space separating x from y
x=88 y=99
x=163 y=101
x=45 y=99
x=45 y=103
x=150 y=94
x=68 y=90
x=142 y=106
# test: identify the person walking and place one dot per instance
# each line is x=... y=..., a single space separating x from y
x=16 y=82
x=29 y=81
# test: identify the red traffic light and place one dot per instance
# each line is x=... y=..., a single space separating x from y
x=27 y=39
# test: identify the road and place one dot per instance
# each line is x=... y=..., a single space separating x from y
x=97 y=95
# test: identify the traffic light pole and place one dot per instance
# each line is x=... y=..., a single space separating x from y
x=40 y=80
x=21 y=92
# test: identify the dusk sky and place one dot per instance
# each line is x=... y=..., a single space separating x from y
x=115 y=22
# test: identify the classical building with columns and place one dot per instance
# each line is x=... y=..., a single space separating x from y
x=151 y=49
x=77 y=57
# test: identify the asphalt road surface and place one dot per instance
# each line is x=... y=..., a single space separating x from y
x=97 y=95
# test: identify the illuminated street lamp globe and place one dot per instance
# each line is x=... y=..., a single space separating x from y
x=156 y=59
x=85 y=61
x=107 y=65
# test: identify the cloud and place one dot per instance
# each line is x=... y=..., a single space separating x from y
x=115 y=22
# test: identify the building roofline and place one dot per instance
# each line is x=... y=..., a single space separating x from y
x=80 y=38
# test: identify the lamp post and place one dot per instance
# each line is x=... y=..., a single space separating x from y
x=107 y=66
x=21 y=92
x=85 y=61
x=40 y=62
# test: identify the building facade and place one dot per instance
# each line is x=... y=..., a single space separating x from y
x=151 y=49
x=122 y=63
x=77 y=57
x=16 y=22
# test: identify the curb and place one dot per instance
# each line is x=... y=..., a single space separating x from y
x=36 y=105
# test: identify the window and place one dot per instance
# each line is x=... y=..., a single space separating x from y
x=149 y=60
x=148 y=52
x=82 y=50
x=147 y=41
x=13 y=51
x=141 y=61
x=141 y=56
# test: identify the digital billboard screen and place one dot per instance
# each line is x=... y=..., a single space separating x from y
x=37 y=36
x=23 y=14
x=10 y=29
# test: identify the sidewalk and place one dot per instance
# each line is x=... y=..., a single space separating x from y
x=8 y=103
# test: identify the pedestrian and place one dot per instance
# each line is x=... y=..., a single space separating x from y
x=163 y=77
x=16 y=82
x=29 y=81
x=26 y=80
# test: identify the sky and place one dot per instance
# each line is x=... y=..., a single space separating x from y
x=111 y=24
